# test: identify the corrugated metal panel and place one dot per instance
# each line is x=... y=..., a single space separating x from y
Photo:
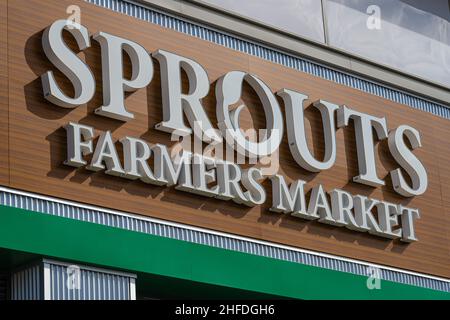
x=93 y=285
x=250 y=47
x=56 y=207
x=32 y=282
x=26 y=284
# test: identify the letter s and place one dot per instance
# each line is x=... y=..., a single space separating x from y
x=408 y=161
x=68 y=63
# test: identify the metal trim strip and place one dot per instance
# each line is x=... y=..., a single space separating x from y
x=128 y=221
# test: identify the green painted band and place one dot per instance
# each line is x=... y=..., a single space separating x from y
x=91 y=243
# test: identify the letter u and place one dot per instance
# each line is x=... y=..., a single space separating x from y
x=296 y=130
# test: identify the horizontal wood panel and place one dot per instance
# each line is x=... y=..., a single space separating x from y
x=37 y=143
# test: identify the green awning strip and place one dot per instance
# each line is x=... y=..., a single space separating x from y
x=90 y=243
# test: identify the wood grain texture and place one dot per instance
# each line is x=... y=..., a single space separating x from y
x=440 y=134
x=4 y=140
x=37 y=148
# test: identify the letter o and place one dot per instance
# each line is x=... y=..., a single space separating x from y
x=228 y=92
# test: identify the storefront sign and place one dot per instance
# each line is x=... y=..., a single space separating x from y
x=211 y=174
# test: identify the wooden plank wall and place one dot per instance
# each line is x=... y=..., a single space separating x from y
x=37 y=143
x=4 y=147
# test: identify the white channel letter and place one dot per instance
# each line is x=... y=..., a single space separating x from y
x=408 y=215
x=388 y=219
x=288 y=199
x=228 y=92
x=342 y=206
x=114 y=83
x=364 y=216
x=136 y=153
x=318 y=206
x=228 y=179
x=175 y=103
x=171 y=171
x=407 y=161
x=68 y=63
x=105 y=151
x=296 y=130
x=255 y=192
x=203 y=174
x=79 y=143
x=364 y=142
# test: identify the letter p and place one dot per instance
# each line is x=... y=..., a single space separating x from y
x=114 y=83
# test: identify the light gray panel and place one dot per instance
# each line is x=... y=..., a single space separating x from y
x=300 y=17
x=407 y=37
x=298 y=63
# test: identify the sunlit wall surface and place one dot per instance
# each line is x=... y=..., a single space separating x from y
x=412 y=36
